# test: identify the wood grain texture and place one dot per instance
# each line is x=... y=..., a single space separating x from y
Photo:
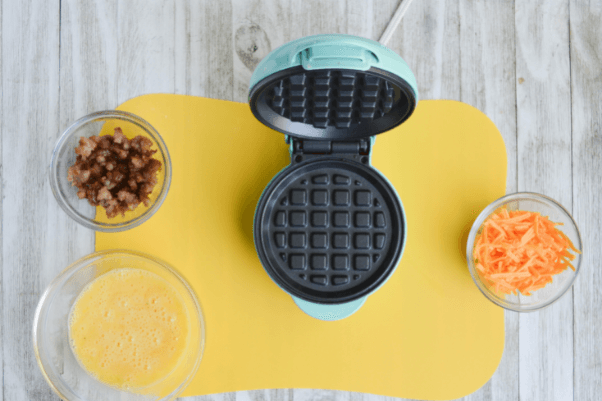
x=30 y=96
x=1 y=211
x=1 y=225
x=544 y=166
x=586 y=85
x=146 y=52
x=191 y=40
x=204 y=28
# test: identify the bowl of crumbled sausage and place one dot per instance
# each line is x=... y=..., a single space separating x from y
x=110 y=171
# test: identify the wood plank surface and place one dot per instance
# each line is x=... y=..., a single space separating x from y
x=544 y=166
x=513 y=60
x=1 y=214
x=429 y=41
x=1 y=225
x=586 y=85
x=30 y=96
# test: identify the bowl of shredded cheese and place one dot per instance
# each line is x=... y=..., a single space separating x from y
x=524 y=251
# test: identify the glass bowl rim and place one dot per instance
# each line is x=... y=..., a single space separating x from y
x=84 y=261
x=483 y=216
x=70 y=131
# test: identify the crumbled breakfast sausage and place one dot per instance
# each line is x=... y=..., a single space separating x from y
x=114 y=172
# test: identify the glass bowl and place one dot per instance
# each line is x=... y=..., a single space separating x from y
x=51 y=331
x=561 y=282
x=63 y=157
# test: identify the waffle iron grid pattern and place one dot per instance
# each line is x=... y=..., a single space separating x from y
x=333 y=97
x=330 y=231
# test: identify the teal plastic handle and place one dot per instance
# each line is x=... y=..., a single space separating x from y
x=323 y=56
x=329 y=312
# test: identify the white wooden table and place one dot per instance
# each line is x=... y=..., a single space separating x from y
x=534 y=67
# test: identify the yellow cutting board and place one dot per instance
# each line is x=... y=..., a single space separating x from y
x=428 y=333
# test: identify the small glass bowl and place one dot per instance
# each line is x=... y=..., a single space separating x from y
x=63 y=157
x=51 y=331
x=561 y=282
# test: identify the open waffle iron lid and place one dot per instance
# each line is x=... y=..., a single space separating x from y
x=330 y=229
x=332 y=87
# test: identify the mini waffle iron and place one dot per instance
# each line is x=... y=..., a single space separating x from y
x=330 y=229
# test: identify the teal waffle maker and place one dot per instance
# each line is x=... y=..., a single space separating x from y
x=330 y=229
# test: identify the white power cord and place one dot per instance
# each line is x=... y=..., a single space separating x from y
x=388 y=33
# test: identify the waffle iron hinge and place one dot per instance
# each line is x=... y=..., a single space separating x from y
x=304 y=149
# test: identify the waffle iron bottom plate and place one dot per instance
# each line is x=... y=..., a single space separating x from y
x=329 y=230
